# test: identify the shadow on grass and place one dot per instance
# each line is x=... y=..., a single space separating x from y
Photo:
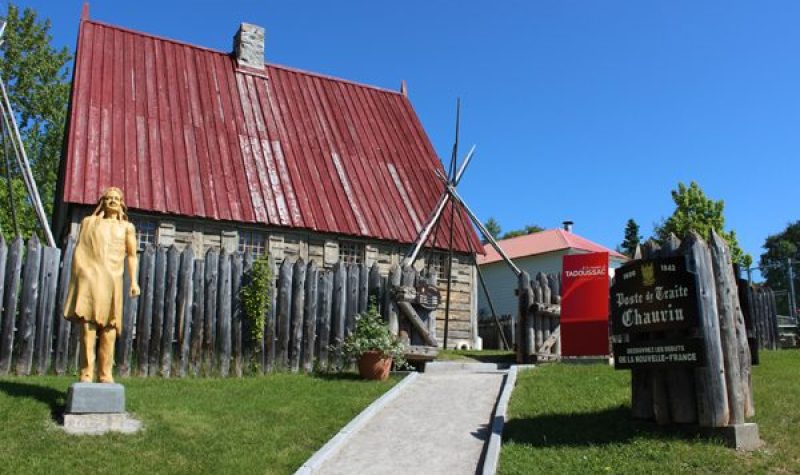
x=503 y=359
x=611 y=426
x=334 y=376
x=54 y=398
x=481 y=356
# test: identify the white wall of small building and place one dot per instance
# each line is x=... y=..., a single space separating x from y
x=501 y=281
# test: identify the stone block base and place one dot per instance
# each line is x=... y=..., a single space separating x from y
x=740 y=436
x=97 y=424
x=94 y=398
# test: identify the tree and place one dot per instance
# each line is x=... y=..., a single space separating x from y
x=529 y=229
x=779 y=248
x=36 y=77
x=695 y=211
x=493 y=227
x=632 y=238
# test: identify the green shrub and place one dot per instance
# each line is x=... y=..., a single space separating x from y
x=372 y=334
x=256 y=296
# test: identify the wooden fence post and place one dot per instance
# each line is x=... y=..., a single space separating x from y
x=537 y=321
x=64 y=325
x=51 y=258
x=26 y=333
x=173 y=256
x=394 y=281
x=408 y=278
x=758 y=304
x=353 y=274
x=298 y=309
x=271 y=324
x=284 y=315
x=731 y=322
x=237 y=316
x=363 y=287
x=324 y=317
x=74 y=348
x=374 y=290
x=147 y=274
x=157 y=327
x=773 y=327
x=430 y=315
x=712 y=396
x=210 y=325
x=124 y=342
x=555 y=288
x=198 y=316
x=185 y=308
x=523 y=339
x=549 y=320
x=769 y=318
x=339 y=316
x=224 y=343
x=310 y=317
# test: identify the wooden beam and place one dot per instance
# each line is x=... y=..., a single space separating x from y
x=407 y=310
x=419 y=352
x=548 y=344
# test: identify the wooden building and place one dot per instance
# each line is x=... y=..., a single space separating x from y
x=220 y=149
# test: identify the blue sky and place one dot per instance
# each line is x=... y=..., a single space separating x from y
x=583 y=110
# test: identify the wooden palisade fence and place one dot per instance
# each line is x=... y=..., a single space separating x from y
x=718 y=392
x=764 y=315
x=489 y=331
x=538 y=325
x=189 y=319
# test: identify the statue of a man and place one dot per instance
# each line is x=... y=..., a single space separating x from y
x=94 y=299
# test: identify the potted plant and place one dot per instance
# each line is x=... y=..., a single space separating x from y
x=373 y=346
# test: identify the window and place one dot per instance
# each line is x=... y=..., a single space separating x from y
x=145 y=232
x=351 y=253
x=252 y=241
x=439 y=263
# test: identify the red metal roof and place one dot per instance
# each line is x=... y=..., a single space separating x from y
x=542 y=242
x=183 y=130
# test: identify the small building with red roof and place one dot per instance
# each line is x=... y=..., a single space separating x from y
x=533 y=253
x=221 y=149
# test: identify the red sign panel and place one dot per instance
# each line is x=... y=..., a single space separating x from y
x=584 y=305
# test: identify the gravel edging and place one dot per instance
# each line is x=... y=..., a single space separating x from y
x=335 y=444
x=492 y=456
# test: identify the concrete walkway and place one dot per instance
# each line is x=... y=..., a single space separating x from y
x=438 y=424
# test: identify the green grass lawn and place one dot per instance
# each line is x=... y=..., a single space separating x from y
x=266 y=424
x=576 y=419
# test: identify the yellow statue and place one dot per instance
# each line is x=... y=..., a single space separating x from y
x=94 y=299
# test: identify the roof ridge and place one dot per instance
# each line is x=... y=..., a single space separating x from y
x=523 y=236
x=564 y=236
x=333 y=78
x=224 y=53
x=154 y=36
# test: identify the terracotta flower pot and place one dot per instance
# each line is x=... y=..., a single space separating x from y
x=371 y=365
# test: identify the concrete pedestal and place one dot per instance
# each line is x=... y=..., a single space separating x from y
x=740 y=436
x=92 y=398
x=97 y=408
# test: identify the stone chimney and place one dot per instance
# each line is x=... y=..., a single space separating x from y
x=248 y=46
x=568 y=226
